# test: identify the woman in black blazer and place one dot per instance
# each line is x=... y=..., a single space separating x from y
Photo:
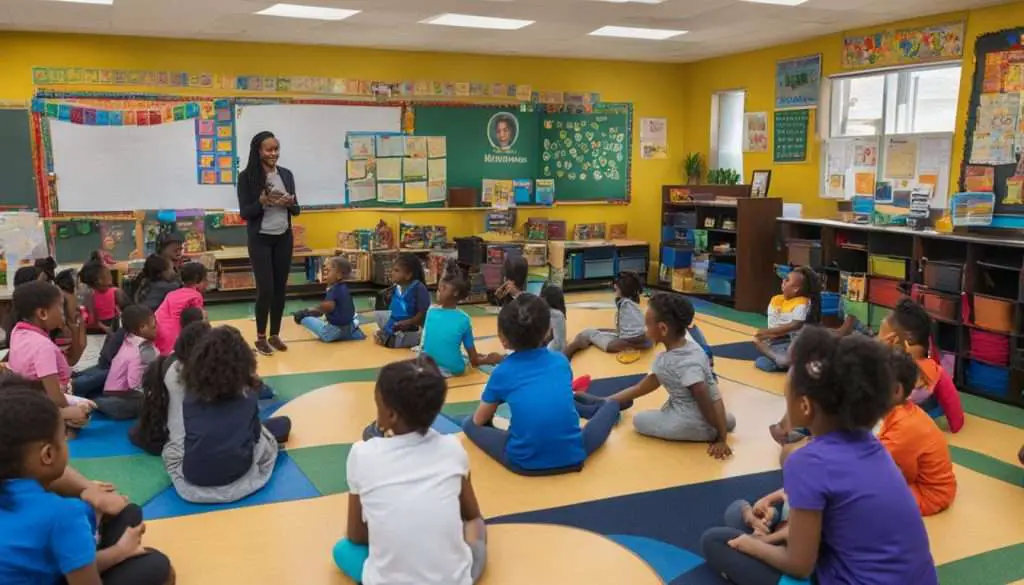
x=267 y=202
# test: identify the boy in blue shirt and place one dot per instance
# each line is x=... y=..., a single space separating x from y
x=447 y=328
x=335 y=318
x=402 y=324
x=544 y=435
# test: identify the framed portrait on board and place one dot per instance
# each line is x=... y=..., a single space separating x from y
x=759 y=183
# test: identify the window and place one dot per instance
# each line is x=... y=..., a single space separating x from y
x=906 y=117
x=727 y=131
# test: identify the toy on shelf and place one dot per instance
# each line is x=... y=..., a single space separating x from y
x=500 y=221
x=419 y=237
x=589 y=231
x=385 y=236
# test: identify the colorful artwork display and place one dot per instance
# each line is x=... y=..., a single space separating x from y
x=797 y=82
x=396 y=169
x=902 y=46
x=77 y=76
x=215 y=144
x=755 y=132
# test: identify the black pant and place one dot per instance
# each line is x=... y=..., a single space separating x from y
x=152 y=568
x=271 y=258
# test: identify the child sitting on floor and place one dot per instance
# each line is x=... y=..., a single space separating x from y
x=410 y=488
x=157 y=279
x=401 y=325
x=168 y=316
x=514 y=272
x=916 y=444
x=226 y=453
x=448 y=328
x=39 y=308
x=335 y=318
x=555 y=298
x=694 y=410
x=50 y=539
x=122 y=392
x=799 y=303
x=852 y=518
x=767 y=519
x=544 y=436
x=910 y=327
x=101 y=299
x=629 y=322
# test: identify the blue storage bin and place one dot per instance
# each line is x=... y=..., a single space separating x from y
x=684 y=219
x=676 y=257
x=674 y=234
x=575 y=265
x=638 y=265
x=988 y=379
x=599 y=253
x=830 y=302
x=598 y=268
x=719 y=285
x=724 y=269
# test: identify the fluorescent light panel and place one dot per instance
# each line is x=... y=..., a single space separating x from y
x=777 y=2
x=628 y=32
x=307 y=12
x=633 y=1
x=470 y=21
x=102 y=2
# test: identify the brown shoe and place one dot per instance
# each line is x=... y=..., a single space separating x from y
x=277 y=344
x=263 y=347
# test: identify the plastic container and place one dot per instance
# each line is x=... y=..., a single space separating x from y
x=991 y=380
x=856 y=309
x=944 y=276
x=990 y=347
x=638 y=265
x=804 y=253
x=719 y=285
x=724 y=269
x=938 y=305
x=993 y=313
x=877 y=314
x=598 y=268
x=674 y=257
x=884 y=292
x=830 y=302
x=887 y=266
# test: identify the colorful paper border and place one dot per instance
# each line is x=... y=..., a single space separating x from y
x=901 y=46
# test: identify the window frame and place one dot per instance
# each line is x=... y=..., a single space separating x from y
x=715 y=139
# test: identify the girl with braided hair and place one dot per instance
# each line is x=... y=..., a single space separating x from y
x=694 y=410
x=410 y=487
x=798 y=303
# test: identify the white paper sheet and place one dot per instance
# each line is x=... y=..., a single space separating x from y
x=438 y=169
x=437 y=146
x=390 y=146
x=391 y=192
x=933 y=155
x=389 y=169
x=414 y=169
x=362 y=190
x=437 y=191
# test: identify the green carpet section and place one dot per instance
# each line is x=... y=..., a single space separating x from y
x=460 y=409
x=995 y=567
x=139 y=477
x=244 y=310
x=291 y=386
x=990 y=466
x=324 y=466
x=749 y=319
x=992 y=410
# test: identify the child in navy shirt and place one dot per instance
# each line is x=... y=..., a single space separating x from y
x=45 y=538
x=335 y=318
x=544 y=436
x=852 y=517
x=401 y=325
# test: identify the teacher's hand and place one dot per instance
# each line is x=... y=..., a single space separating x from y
x=286 y=200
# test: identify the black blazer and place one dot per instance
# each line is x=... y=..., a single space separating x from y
x=249 y=206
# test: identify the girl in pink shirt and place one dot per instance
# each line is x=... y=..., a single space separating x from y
x=168 y=316
x=102 y=301
x=39 y=308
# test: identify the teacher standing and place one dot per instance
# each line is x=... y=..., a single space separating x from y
x=267 y=202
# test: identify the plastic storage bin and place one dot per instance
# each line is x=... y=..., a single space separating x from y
x=674 y=257
x=991 y=380
x=877 y=314
x=944 y=276
x=937 y=305
x=993 y=313
x=724 y=269
x=598 y=268
x=804 y=253
x=856 y=309
x=719 y=285
x=638 y=265
x=882 y=291
x=991 y=348
x=887 y=266
x=830 y=304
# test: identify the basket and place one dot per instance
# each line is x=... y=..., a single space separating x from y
x=993 y=313
x=887 y=266
x=856 y=309
x=804 y=253
x=884 y=292
x=943 y=276
x=938 y=305
x=990 y=347
x=991 y=380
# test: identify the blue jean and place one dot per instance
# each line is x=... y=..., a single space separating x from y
x=778 y=361
x=492 y=440
x=89 y=382
x=329 y=333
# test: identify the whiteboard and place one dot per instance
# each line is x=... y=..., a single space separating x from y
x=313 y=141
x=118 y=168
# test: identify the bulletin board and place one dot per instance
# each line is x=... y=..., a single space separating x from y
x=18 y=187
x=588 y=155
x=77 y=239
x=992 y=160
x=396 y=170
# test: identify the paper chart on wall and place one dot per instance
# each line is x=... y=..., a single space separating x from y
x=360 y=147
x=389 y=169
x=391 y=192
x=414 y=169
x=437 y=190
x=390 y=146
x=416 y=146
x=437 y=169
x=416 y=192
x=992 y=148
x=362 y=191
x=998 y=113
x=865 y=153
x=901 y=158
x=933 y=155
x=357 y=169
x=437 y=146
x=864 y=184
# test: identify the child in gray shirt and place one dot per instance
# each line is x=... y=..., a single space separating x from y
x=629 y=332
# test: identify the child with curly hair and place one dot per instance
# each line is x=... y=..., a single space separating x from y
x=852 y=518
x=629 y=330
x=47 y=538
x=411 y=487
x=168 y=316
x=157 y=279
x=401 y=325
x=694 y=410
x=101 y=299
x=799 y=303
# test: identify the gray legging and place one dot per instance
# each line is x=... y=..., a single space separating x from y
x=738 y=567
x=672 y=425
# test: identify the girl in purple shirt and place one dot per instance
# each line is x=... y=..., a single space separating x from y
x=852 y=520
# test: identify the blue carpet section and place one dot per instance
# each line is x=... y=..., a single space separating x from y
x=666 y=560
x=269 y=407
x=605 y=387
x=103 y=438
x=741 y=350
x=288 y=483
x=675 y=517
x=445 y=425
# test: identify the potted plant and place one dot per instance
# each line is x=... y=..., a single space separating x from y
x=693 y=164
x=723 y=177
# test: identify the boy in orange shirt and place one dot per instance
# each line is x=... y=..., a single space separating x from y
x=916 y=444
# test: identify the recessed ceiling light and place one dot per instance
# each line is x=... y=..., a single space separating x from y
x=777 y=2
x=628 y=32
x=103 y=2
x=310 y=12
x=470 y=21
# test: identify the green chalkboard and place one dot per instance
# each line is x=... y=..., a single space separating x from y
x=588 y=155
x=791 y=135
x=79 y=239
x=17 y=180
x=484 y=142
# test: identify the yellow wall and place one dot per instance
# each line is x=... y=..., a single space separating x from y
x=654 y=89
x=755 y=73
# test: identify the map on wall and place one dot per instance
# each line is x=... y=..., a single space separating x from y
x=587 y=155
